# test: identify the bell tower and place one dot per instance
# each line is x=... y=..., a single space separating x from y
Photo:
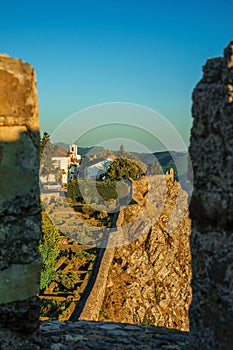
x=74 y=151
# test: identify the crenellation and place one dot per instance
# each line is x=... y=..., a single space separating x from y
x=20 y=219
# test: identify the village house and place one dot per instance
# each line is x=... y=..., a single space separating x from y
x=66 y=162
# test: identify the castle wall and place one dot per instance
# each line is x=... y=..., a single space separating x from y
x=20 y=219
x=149 y=276
x=211 y=151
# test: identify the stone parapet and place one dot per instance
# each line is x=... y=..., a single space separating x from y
x=94 y=302
x=86 y=335
x=20 y=219
x=211 y=151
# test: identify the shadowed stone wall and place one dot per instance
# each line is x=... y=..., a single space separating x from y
x=211 y=151
x=20 y=219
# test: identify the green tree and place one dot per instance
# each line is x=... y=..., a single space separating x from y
x=44 y=140
x=47 y=151
x=123 y=168
x=49 y=249
x=106 y=190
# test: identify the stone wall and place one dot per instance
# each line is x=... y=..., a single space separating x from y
x=211 y=151
x=149 y=277
x=94 y=302
x=20 y=219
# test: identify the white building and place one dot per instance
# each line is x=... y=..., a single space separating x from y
x=73 y=152
x=100 y=167
x=63 y=161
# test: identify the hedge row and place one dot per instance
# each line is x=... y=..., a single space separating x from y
x=106 y=190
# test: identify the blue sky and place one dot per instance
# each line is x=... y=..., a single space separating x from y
x=88 y=52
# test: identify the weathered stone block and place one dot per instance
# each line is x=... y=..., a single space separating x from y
x=20 y=219
x=211 y=151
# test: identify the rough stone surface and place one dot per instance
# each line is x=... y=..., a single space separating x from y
x=18 y=282
x=149 y=278
x=20 y=221
x=83 y=335
x=211 y=151
x=18 y=96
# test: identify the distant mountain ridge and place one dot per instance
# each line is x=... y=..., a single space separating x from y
x=162 y=156
x=167 y=159
x=82 y=150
